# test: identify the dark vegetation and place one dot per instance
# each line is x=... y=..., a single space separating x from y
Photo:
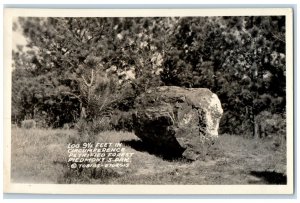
x=87 y=72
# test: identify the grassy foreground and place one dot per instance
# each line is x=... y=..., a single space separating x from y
x=40 y=156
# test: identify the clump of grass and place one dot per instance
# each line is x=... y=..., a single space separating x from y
x=99 y=175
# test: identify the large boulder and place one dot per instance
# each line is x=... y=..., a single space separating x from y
x=177 y=121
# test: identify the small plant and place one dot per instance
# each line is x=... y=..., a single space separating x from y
x=272 y=125
x=28 y=124
x=85 y=132
x=100 y=125
x=68 y=126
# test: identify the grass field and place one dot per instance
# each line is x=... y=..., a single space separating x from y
x=40 y=156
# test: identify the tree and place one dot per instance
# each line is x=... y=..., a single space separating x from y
x=87 y=61
x=91 y=66
x=256 y=48
x=242 y=59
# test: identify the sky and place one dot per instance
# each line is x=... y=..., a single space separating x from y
x=17 y=38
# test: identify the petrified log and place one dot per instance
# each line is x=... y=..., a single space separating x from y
x=178 y=120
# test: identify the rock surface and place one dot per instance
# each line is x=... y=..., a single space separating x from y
x=178 y=121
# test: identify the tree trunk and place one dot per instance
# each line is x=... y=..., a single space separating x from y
x=256 y=128
x=255 y=124
x=83 y=113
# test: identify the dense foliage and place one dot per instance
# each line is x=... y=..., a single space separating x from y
x=90 y=68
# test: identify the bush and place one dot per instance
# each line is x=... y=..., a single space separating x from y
x=94 y=126
x=271 y=124
x=84 y=133
x=42 y=124
x=28 y=124
x=100 y=125
x=122 y=121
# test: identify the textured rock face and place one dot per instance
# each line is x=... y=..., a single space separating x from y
x=178 y=120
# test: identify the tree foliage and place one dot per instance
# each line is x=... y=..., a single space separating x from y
x=242 y=59
x=88 y=67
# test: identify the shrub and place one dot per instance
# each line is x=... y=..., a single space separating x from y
x=42 y=119
x=42 y=124
x=122 y=121
x=100 y=125
x=84 y=133
x=28 y=124
x=94 y=126
x=271 y=124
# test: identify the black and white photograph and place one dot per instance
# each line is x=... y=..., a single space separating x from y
x=145 y=98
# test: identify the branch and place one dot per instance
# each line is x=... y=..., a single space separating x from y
x=74 y=95
x=82 y=35
x=91 y=80
x=278 y=38
x=92 y=77
x=103 y=104
x=84 y=81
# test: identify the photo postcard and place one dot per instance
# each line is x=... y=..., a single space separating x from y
x=148 y=101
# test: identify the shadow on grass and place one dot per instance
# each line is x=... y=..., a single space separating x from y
x=271 y=177
x=162 y=152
